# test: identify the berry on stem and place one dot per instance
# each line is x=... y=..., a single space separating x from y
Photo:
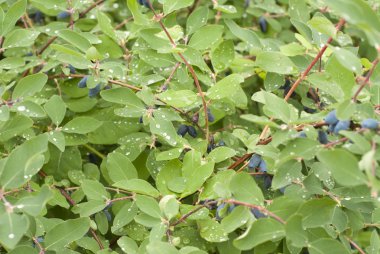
x=370 y=123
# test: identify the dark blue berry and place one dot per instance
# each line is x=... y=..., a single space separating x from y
x=192 y=131
x=254 y=162
x=182 y=130
x=210 y=147
x=107 y=214
x=331 y=128
x=38 y=17
x=144 y=2
x=94 y=91
x=141 y=119
x=256 y=212
x=267 y=181
x=370 y=123
x=63 y=15
x=322 y=137
x=72 y=69
x=263 y=24
x=221 y=143
x=331 y=118
x=83 y=82
x=210 y=116
x=287 y=86
x=309 y=110
x=342 y=126
x=246 y=3
x=220 y=207
x=263 y=166
x=301 y=134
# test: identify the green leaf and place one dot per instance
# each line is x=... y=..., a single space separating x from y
x=82 y=125
x=164 y=129
x=262 y=231
x=348 y=59
x=157 y=247
x=14 y=126
x=205 y=37
x=75 y=39
x=180 y=99
x=322 y=25
x=13 y=14
x=13 y=227
x=24 y=162
x=197 y=19
x=223 y=55
x=243 y=34
x=295 y=232
x=173 y=5
x=20 y=38
x=66 y=232
x=225 y=87
x=238 y=217
x=33 y=205
x=245 y=189
x=105 y=25
x=344 y=167
x=148 y=205
x=120 y=167
x=94 y=190
x=299 y=10
x=29 y=85
x=327 y=246
x=169 y=206
x=128 y=245
x=221 y=153
x=212 y=231
x=310 y=218
x=275 y=62
x=124 y=216
x=139 y=186
x=56 y=109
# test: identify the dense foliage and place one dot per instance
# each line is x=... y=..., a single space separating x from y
x=189 y=126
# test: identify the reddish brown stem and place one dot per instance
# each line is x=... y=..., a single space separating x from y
x=187 y=215
x=357 y=247
x=366 y=80
x=188 y=65
x=260 y=208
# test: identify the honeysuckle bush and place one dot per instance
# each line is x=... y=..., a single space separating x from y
x=188 y=126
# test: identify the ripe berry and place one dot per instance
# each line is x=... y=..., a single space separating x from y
x=263 y=166
x=267 y=181
x=221 y=143
x=301 y=134
x=38 y=17
x=94 y=91
x=210 y=116
x=192 y=131
x=63 y=15
x=72 y=69
x=210 y=147
x=257 y=213
x=83 y=82
x=322 y=137
x=331 y=118
x=144 y=2
x=182 y=130
x=263 y=24
x=254 y=162
x=342 y=126
x=370 y=123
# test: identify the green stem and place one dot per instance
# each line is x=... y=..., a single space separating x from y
x=94 y=151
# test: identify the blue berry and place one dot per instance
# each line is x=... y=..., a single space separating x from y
x=210 y=116
x=263 y=166
x=220 y=207
x=94 y=91
x=370 y=123
x=331 y=118
x=301 y=134
x=254 y=162
x=322 y=137
x=38 y=17
x=342 y=126
x=192 y=131
x=83 y=82
x=182 y=130
x=144 y=2
x=263 y=24
x=282 y=190
x=267 y=181
x=221 y=143
x=63 y=15
x=210 y=147
x=107 y=214
x=72 y=69
x=256 y=212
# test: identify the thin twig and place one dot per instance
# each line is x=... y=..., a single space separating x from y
x=94 y=151
x=37 y=243
x=188 y=65
x=260 y=208
x=187 y=215
x=357 y=247
x=366 y=80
